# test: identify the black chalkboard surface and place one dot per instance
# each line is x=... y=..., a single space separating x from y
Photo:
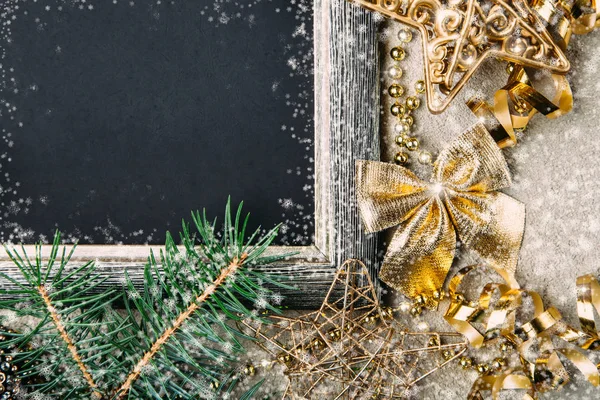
x=120 y=117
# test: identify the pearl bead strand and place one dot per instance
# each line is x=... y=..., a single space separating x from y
x=403 y=109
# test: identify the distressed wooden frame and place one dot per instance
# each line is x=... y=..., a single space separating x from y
x=346 y=129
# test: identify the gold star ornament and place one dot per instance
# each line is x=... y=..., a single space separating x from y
x=458 y=35
x=352 y=347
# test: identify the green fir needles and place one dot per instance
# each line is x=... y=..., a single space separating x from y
x=67 y=342
x=172 y=339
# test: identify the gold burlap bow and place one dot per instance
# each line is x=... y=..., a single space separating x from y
x=461 y=201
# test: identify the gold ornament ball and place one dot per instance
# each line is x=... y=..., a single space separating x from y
x=370 y=319
x=483 y=368
x=420 y=299
x=447 y=354
x=388 y=313
x=498 y=363
x=420 y=86
x=437 y=295
x=412 y=103
x=249 y=370
x=395 y=72
x=412 y=144
x=518 y=46
x=396 y=90
x=401 y=128
x=334 y=334
x=425 y=157
x=398 y=53
x=416 y=311
x=404 y=35
x=408 y=120
x=397 y=109
x=433 y=341
x=349 y=326
x=284 y=358
x=317 y=344
x=400 y=140
x=505 y=347
x=401 y=158
x=465 y=362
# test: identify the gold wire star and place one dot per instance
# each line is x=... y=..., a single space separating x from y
x=352 y=346
x=458 y=35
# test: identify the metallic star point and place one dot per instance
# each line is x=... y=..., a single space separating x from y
x=352 y=346
x=458 y=35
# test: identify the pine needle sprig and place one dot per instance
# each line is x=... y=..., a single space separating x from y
x=173 y=338
x=183 y=315
x=67 y=345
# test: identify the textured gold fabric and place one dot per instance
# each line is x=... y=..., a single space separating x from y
x=461 y=201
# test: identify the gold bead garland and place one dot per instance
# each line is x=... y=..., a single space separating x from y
x=398 y=53
x=9 y=382
x=403 y=110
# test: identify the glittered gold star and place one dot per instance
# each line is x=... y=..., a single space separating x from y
x=458 y=35
x=352 y=346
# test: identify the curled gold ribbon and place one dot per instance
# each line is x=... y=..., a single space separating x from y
x=586 y=15
x=516 y=104
x=461 y=201
x=544 y=370
x=518 y=101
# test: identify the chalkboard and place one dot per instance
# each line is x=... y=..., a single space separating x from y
x=289 y=159
x=120 y=117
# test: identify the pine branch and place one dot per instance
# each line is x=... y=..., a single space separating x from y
x=174 y=339
x=181 y=316
x=68 y=341
x=68 y=346
x=184 y=316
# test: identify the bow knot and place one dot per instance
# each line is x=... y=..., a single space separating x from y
x=461 y=201
x=437 y=189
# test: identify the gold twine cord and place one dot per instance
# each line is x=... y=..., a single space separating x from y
x=67 y=339
x=164 y=338
x=352 y=341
